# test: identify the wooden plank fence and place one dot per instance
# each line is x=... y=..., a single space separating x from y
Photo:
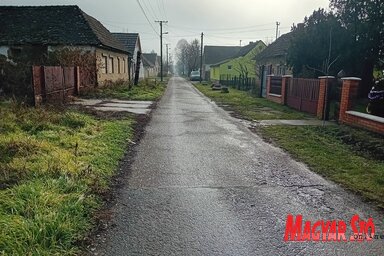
x=56 y=85
x=303 y=94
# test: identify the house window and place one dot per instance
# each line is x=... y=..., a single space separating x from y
x=118 y=66
x=229 y=66
x=111 y=67
x=104 y=65
x=280 y=70
x=124 y=66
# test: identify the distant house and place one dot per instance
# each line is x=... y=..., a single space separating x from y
x=241 y=64
x=215 y=54
x=273 y=60
x=37 y=31
x=151 y=65
x=132 y=44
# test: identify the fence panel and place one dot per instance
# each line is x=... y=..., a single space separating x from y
x=54 y=84
x=276 y=82
x=303 y=94
x=238 y=82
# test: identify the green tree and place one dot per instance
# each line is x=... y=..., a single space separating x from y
x=318 y=46
x=364 y=21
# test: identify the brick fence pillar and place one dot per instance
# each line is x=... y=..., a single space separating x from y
x=325 y=83
x=348 y=94
x=286 y=80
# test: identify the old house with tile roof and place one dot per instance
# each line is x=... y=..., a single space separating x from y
x=215 y=54
x=39 y=30
x=273 y=60
x=275 y=55
x=151 y=65
x=242 y=64
x=132 y=43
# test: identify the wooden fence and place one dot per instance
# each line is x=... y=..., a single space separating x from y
x=303 y=94
x=55 y=84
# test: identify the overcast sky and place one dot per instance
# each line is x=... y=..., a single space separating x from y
x=223 y=22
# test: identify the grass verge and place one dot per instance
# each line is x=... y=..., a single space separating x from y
x=348 y=156
x=249 y=107
x=148 y=89
x=54 y=164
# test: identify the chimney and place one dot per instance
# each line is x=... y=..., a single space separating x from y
x=300 y=25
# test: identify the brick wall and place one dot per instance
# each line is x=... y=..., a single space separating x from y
x=348 y=94
x=325 y=82
x=113 y=66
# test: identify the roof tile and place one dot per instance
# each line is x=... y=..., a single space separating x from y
x=55 y=25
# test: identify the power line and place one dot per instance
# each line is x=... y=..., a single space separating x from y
x=225 y=29
x=124 y=23
x=141 y=7
x=154 y=16
x=159 y=8
x=164 y=10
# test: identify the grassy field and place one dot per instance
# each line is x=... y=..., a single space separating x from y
x=351 y=157
x=348 y=156
x=54 y=166
x=249 y=106
x=148 y=89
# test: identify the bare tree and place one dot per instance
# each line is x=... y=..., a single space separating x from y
x=193 y=55
x=188 y=55
x=182 y=56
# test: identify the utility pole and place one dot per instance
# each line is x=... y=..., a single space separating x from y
x=161 y=46
x=166 y=45
x=277 y=28
x=201 y=58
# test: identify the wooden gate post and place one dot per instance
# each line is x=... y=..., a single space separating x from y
x=77 y=80
x=325 y=83
x=38 y=84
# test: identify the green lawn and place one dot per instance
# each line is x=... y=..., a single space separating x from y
x=348 y=156
x=249 y=106
x=54 y=166
x=148 y=89
x=351 y=157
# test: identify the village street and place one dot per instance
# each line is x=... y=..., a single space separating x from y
x=203 y=184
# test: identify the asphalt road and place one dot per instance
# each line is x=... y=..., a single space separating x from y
x=203 y=184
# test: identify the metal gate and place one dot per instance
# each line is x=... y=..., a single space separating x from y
x=303 y=94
